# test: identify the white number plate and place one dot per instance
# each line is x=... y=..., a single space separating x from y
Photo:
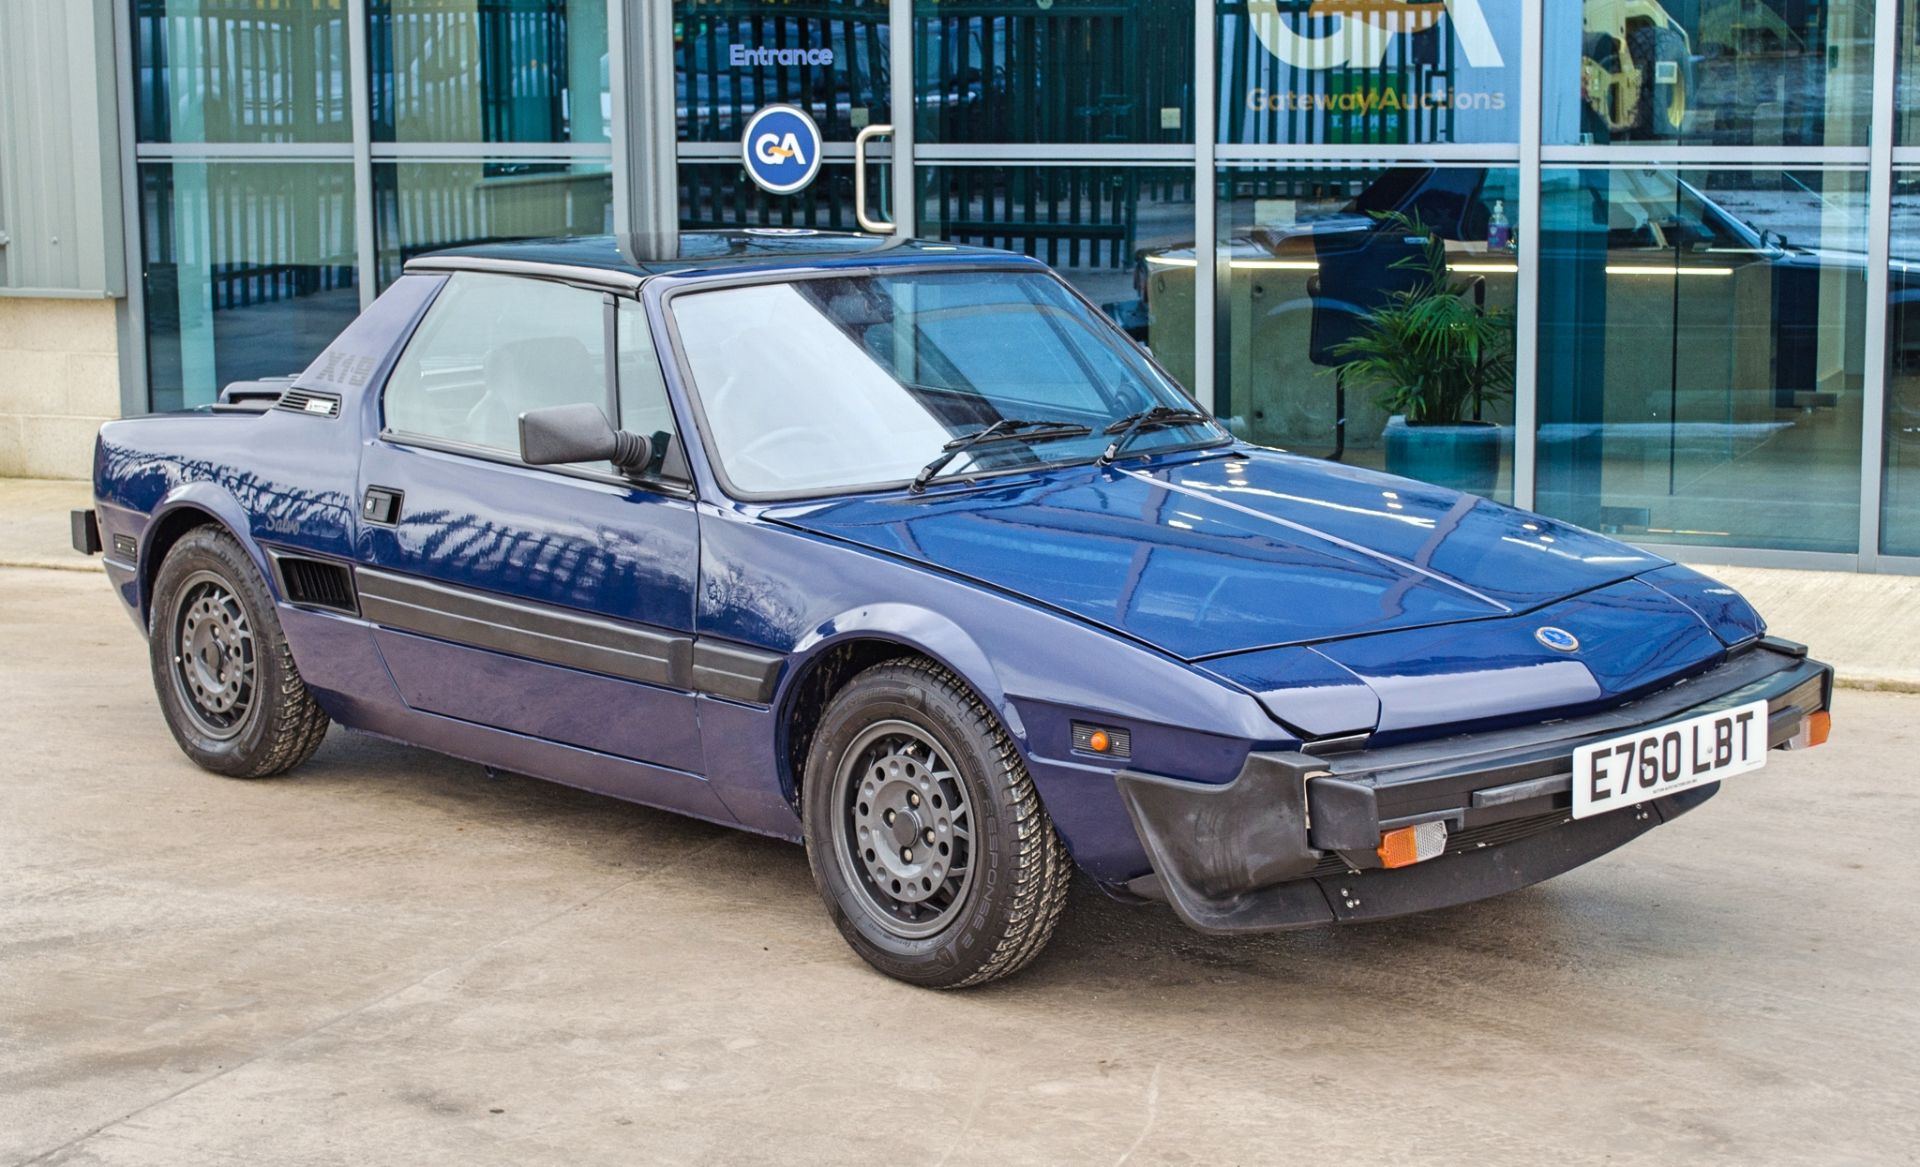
x=1657 y=762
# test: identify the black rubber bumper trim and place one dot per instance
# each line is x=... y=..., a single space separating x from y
x=1448 y=881
x=1422 y=779
x=1462 y=878
x=86 y=532
x=1242 y=855
x=1212 y=841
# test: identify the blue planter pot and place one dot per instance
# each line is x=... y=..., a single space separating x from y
x=1462 y=456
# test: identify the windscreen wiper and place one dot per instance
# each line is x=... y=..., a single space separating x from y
x=1159 y=417
x=1007 y=429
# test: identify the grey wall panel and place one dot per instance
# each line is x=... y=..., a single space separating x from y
x=59 y=150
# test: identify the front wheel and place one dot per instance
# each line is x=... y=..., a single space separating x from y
x=222 y=669
x=924 y=833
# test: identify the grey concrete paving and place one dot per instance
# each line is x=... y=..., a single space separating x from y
x=389 y=958
x=1868 y=621
x=34 y=526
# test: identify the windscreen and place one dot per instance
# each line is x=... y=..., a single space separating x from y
x=821 y=385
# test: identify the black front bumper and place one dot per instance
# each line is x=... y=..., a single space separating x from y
x=1290 y=842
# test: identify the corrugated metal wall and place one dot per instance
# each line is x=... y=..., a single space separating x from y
x=60 y=210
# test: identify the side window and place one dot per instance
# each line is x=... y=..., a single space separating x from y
x=491 y=348
x=643 y=393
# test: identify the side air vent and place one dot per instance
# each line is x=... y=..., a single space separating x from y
x=307 y=401
x=316 y=583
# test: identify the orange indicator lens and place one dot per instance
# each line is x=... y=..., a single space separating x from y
x=1405 y=846
x=1098 y=742
x=1398 y=849
x=1819 y=725
x=1813 y=731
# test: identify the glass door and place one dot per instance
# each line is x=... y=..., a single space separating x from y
x=734 y=57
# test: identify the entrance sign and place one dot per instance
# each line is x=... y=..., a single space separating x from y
x=747 y=56
x=781 y=149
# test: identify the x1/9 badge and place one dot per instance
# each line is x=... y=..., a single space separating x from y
x=781 y=149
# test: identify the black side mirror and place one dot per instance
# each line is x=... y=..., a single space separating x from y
x=563 y=434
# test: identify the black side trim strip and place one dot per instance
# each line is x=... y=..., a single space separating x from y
x=736 y=673
x=536 y=631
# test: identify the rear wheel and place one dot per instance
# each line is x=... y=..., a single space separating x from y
x=222 y=669
x=924 y=833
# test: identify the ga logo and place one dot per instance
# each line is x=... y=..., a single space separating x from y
x=781 y=149
x=1366 y=26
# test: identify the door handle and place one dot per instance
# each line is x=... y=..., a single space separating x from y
x=381 y=505
x=860 y=140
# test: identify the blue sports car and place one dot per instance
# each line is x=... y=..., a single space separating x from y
x=904 y=551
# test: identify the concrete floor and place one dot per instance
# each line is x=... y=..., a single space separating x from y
x=392 y=959
x=36 y=528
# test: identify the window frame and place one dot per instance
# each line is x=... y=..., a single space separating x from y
x=610 y=301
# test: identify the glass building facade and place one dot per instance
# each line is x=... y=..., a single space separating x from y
x=1674 y=244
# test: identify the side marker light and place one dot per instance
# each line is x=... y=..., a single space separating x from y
x=1110 y=742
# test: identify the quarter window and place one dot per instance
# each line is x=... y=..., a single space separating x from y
x=643 y=393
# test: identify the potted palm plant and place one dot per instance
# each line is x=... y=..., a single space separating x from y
x=1435 y=359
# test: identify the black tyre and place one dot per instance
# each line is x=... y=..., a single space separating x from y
x=226 y=679
x=1666 y=81
x=924 y=833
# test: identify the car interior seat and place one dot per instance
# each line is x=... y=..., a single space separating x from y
x=531 y=374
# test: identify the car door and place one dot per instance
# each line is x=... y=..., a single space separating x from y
x=552 y=602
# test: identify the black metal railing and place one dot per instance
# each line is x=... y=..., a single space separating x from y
x=480 y=71
x=1074 y=71
x=241 y=71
